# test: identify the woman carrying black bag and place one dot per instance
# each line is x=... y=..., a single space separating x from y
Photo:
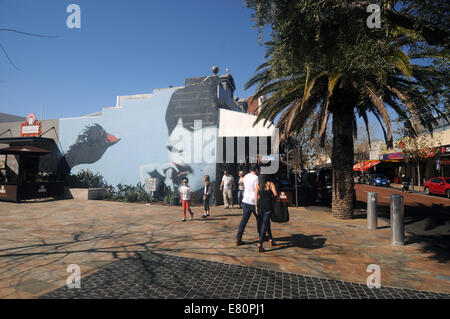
x=265 y=192
x=206 y=196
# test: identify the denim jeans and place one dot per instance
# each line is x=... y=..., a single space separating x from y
x=240 y=197
x=247 y=211
x=265 y=225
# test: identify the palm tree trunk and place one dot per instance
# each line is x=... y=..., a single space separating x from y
x=342 y=163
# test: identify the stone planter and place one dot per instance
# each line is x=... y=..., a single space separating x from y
x=85 y=193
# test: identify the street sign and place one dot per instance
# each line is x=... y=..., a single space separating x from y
x=151 y=184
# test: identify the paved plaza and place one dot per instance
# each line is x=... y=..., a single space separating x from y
x=127 y=250
x=157 y=276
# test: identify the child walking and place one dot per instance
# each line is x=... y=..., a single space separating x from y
x=206 y=196
x=185 y=199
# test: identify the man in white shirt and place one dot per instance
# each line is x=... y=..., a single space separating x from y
x=248 y=202
x=227 y=186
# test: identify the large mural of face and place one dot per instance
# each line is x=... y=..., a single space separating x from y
x=169 y=134
x=191 y=147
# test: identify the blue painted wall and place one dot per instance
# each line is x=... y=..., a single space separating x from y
x=142 y=136
x=139 y=124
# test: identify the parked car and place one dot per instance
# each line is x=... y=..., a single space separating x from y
x=378 y=180
x=438 y=185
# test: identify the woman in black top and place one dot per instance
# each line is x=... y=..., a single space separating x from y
x=265 y=192
x=206 y=196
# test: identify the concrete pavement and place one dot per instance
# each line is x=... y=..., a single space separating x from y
x=39 y=240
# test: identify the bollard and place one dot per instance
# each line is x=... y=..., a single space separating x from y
x=371 y=210
x=397 y=225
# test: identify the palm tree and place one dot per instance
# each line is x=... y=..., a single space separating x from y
x=320 y=62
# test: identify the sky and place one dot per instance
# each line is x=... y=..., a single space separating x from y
x=122 y=48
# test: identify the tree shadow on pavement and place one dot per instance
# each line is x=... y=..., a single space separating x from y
x=438 y=245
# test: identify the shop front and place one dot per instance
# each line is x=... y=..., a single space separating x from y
x=20 y=174
x=443 y=163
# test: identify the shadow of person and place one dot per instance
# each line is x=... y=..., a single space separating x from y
x=299 y=240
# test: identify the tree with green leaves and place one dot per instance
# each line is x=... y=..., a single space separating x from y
x=324 y=65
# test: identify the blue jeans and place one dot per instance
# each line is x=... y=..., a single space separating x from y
x=265 y=225
x=240 y=197
x=247 y=211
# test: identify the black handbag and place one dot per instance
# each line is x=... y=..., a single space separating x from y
x=280 y=212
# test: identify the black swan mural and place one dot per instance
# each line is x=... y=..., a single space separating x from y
x=88 y=148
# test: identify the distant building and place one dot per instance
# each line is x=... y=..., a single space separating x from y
x=436 y=154
x=254 y=106
x=10 y=118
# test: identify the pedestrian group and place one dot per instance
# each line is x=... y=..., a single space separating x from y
x=256 y=195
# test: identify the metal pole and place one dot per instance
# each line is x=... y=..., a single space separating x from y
x=371 y=210
x=397 y=225
x=287 y=164
x=296 y=193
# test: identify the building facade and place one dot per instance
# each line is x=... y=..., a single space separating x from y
x=167 y=135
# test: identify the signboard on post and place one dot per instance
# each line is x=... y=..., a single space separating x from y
x=151 y=184
x=31 y=127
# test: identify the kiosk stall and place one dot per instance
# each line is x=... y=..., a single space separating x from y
x=20 y=178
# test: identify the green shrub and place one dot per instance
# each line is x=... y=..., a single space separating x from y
x=110 y=192
x=161 y=192
x=129 y=193
x=132 y=196
x=172 y=199
x=143 y=195
x=86 y=179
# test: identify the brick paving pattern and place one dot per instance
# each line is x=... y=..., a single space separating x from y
x=150 y=275
x=39 y=240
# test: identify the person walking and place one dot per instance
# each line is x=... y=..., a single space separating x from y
x=206 y=196
x=227 y=187
x=240 y=188
x=265 y=193
x=185 y=199
x=248 y=202
x=405 y=183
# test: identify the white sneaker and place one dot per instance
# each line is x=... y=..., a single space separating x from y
x=183 y=219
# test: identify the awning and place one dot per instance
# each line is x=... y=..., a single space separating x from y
x=28 y=140
x=364 y=166
x=17 y=150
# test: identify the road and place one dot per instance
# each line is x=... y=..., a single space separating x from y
x=427 y=217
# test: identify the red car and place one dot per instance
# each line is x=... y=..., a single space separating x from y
x=438 y=185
